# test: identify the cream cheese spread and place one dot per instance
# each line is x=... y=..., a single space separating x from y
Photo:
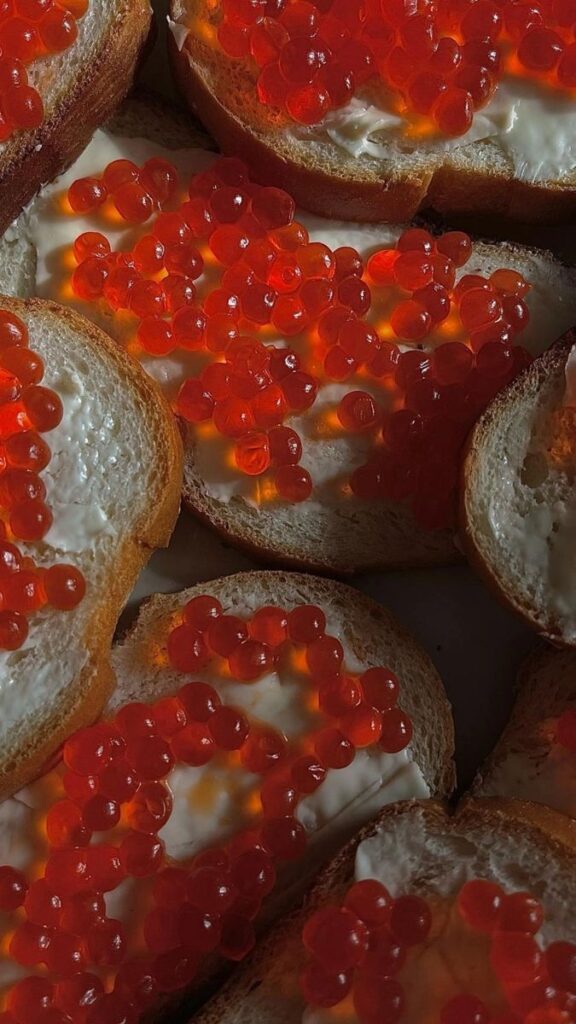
x=533 y=126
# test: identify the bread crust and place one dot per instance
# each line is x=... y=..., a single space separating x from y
x=88 y=694
x=98 y=85
x=527 y=383
x=355 y=191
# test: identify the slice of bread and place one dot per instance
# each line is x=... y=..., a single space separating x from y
x=370 y=637
x=214 y=802
x=341 y=536
x=367 y=631
x=113 y=484
x=328 y=179
x=421 y=849
x=518 y=509
x=527 y=763
x=80 y=88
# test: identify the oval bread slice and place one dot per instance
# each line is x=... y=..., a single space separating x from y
x=518 y=507
x=323 y=177
x=370 y=636
x=426 y=851
x=113 y=485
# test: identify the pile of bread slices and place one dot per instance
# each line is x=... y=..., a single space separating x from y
x=256 y=300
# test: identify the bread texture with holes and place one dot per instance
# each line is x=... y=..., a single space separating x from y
x=113 y=485
x=330 y=177
x=518 y=510
x=418 y=849
x=528 y=763
x=330 y=532
x=80 y=88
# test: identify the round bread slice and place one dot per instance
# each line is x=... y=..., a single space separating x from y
x=329 y=532
x=518 y=504
x=419 y=849
x=80 y=88
x=113 y=485
x=329 y=179
x=370 y=637
x=367 y=631
x=527 y=762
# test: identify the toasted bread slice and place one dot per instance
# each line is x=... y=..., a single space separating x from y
x=333 y=179
x=339 y=538
x=80 y=89
x=419 y=849
x=518 y=509
x=113 y=485
x=527 y=762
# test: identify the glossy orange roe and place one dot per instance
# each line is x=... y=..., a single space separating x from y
x=118 y=771
x=29 y=30
x=440 y=61
x=27 y=411
x=344 y=323
x=357 y=951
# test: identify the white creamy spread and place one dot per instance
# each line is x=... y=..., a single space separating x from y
x=533 y=126
x=216 y=800
x=75 y=444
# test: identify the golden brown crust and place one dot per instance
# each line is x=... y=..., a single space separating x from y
x=357 y=191
x=515 y=394
x=94 y=685
x=33 y=157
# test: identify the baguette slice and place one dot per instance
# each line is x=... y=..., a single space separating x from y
x=113 y=484
x=421 y=849
x=80 y=88
x=351 y=536
x=518 y=509
x=326 y=178
x=527 y=763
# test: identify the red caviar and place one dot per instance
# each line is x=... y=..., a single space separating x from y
x=266 y=275
x=358 y=948
x=438 y=62
x=27 y=410
x=105 y=826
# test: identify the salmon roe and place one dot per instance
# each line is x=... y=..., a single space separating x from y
x=358 y=951
x=437 y=60
x=27 y=411
x=411 y=345
x=104 y=826
x=30 y=30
